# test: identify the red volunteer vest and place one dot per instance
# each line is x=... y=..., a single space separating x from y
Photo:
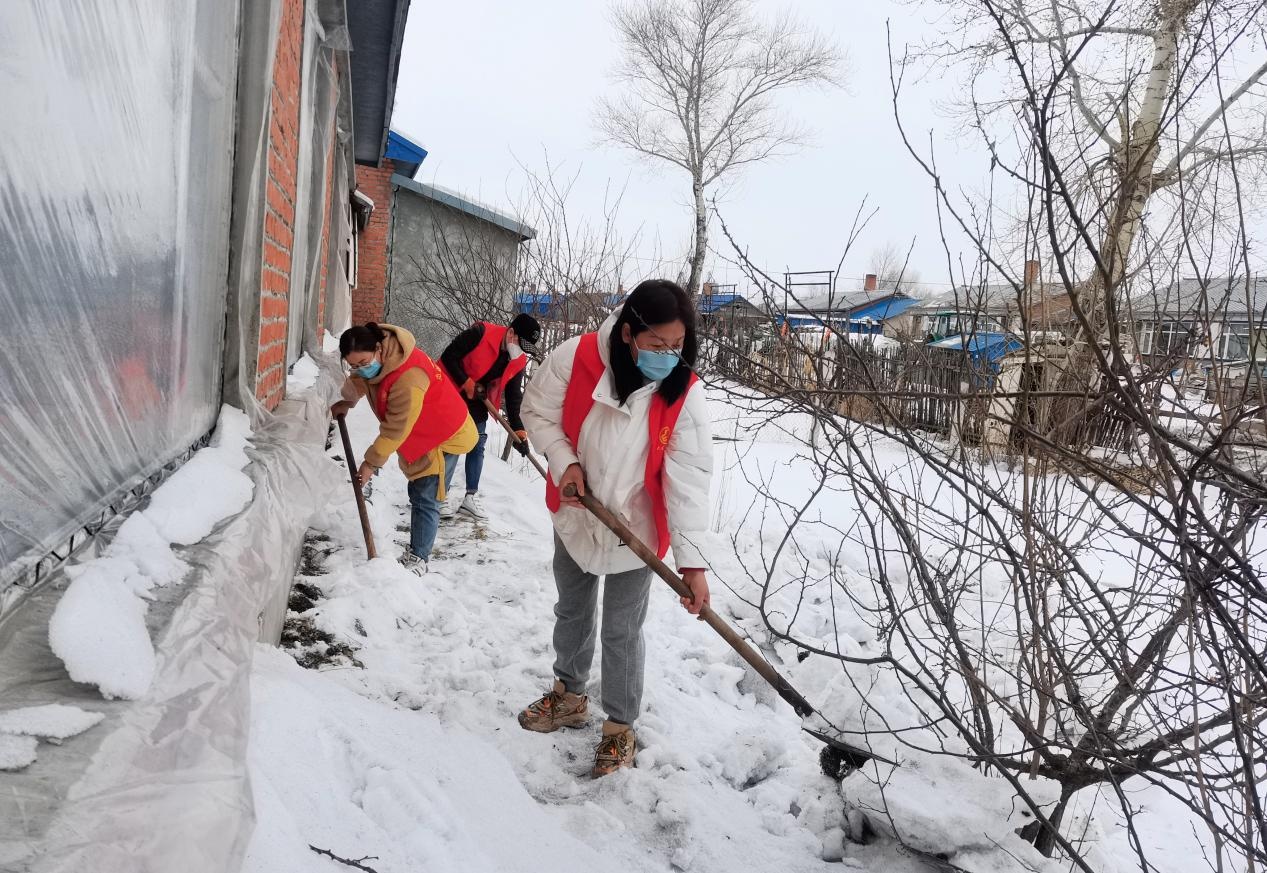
x=481 y=359
x=443 y=410
x=587 y=369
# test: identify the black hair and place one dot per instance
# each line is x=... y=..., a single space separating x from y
x=361 y=338
x=655 y=301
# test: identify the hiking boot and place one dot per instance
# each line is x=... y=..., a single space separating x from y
x=615 y=750
x=413 y=564
x=559 y=708
x=472 y=506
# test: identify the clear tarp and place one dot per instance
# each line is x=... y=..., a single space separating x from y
x=115 y=182
x=115 y=242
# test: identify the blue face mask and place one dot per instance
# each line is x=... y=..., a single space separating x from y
x=369 y=371
x=656 y=365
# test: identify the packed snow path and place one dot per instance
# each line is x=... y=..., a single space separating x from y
x=725 y=780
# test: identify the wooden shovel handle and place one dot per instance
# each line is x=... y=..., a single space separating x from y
x=370 y=551
x=679 y=586
x=515 y=438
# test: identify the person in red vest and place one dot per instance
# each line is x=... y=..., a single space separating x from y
x=487 y=361
x=422 y=418
x=621 y=415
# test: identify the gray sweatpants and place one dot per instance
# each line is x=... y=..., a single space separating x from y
x=625 y=600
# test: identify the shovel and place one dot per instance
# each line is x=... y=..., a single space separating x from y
x=838 y=758
x=356 y=489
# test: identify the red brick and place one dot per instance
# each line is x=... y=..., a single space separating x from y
x=276 y=257
x=271 y=332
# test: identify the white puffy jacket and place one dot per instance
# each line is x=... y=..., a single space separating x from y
x=613 y=447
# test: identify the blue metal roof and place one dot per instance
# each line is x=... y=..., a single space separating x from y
x=990 y=346
x=547 y=304
x=713 y=302
x=884 y=309
x=407 y=155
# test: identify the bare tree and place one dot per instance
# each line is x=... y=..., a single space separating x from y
x=701 y=77
x=1135 y=108
x=1090 y=615
x=891 y=266
x=569 y=273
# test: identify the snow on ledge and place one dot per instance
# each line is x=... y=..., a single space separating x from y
x=98 y=628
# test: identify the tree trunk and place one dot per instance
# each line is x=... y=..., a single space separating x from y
x=1044 y=836
x=701 y=239
x=1134 y=162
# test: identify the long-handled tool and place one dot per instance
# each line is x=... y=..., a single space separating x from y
x=839 y=757
x=370 y=551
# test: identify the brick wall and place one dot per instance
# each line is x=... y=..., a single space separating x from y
x=279 y=215
x=369 y=297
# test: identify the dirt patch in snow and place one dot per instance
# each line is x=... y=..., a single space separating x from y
x=312 y=647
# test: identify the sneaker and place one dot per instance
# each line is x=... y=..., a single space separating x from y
x=448 y=509
x=413 y=564
x=615 y=750
x=559 y=708
x=472 y=506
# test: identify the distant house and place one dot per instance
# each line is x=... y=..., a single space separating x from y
x=721 y=307
x=985 y=308
x=584 y=308
x=454 y=260
x=1204 y=320
x=862 y=312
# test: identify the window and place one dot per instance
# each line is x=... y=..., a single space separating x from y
x=1175 y=338
x=1240 y=341
x=1147 y=333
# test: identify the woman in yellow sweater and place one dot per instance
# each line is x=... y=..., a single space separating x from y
x=422 y=419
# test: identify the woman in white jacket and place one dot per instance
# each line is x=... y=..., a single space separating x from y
x=620 y=414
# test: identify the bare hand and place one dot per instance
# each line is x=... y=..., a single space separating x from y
x=573 y=475
x=343 y=407
x=698 y=583
x=364 y=472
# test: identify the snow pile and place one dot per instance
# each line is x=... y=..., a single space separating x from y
x=303 y=374
x=98 y=628
x=55 y=720
x=16 y=752
x=21 y=728
x=390 y=784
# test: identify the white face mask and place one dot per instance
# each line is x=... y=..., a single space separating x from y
x=514 y=351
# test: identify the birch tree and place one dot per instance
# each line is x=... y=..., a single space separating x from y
x=700 y=81
x=1133 y=106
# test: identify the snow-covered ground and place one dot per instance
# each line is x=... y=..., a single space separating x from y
x=415 y=757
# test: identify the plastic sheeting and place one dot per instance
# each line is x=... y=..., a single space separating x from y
x=113 y=260
x=161 y=785
x=115 y=185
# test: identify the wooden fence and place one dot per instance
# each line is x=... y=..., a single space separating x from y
x=907 y=385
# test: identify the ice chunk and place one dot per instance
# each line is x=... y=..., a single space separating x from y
x=54 y=720
x=16 y=752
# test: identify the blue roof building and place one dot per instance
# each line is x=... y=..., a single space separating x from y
x=983 y=348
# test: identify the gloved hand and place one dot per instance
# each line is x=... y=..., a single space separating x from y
x=522 y=445
x=343 y=407
x=468 y=388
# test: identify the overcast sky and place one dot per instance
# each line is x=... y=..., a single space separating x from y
x=486 y=83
